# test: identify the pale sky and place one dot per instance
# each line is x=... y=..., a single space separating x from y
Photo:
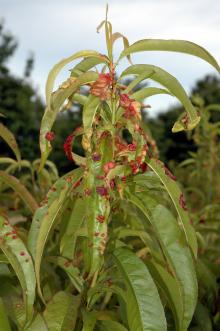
x=54 y=29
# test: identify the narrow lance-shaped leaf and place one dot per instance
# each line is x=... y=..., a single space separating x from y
x=178 y=200
x=51 y=111
x=144 y=308
x=20 y=259
x=8 y=136
x=178 y=255
x=171 y=288
x=97 y=218
x=89 y=111
x=89 y=320
x=71 y=271
x=148 y=92
x=49 y=219
x=41 y=213
x=87 y=64
x=171 y=83
x=180 y=46
x=58 y=67
x=61 y=312
x=68 y=241
x=20 y=189
x=38 y=324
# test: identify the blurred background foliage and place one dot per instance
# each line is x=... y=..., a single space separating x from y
x=23 y=108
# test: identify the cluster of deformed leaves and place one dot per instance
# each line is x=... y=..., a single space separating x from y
x=111 y=246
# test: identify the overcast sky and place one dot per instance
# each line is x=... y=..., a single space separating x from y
x=54 y=29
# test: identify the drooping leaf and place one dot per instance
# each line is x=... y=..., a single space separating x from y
x=118 y=35
x=46 y=222
x=180 y=46
x=174 y=87
x=148 y=92
x=144 y=308
x=176 y=196
x=9 y=138
x=171 y=288
x=58 y=67
x=7 y=160
x=61 y=312
x=87 y=64
x=20 y=189
x=177 y=253
x=53 y=199
x=51 y=111
x=20 y=259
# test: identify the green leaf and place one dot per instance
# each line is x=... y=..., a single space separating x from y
x=87 y=64
x=59 y=66
x=175 y=194
x=89 y=320
x=20 y=189
x=144 y=75
x=52 y=199
x=68 y=241
x=180 y=46
x=7 y=160
x=177 y=253
x=148 y=92
x=171 y=288
x=47 y=219
x=171 y=83
x=109 y=325
x=59 y=96
x=4 y=323
x=144 y=308
x=202 y=318
x=89 y=111
x=97 y=206
x=61 y=312
x=53 y=109
x=20 y=259
x=71 y=271
x=38 y=324
x=9 y=138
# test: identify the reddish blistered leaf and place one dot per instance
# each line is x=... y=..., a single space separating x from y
x=100 y=218
x=144 y=166
x=132 y=147
x=182 y=202
x=112 y=183
x=108 y=166
x=134 y=167
x=77 y=184
x=50 y=135
x=169 y=173
x=67 y=146
x=96 y=157
x=102 y=190
x=101 y=87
